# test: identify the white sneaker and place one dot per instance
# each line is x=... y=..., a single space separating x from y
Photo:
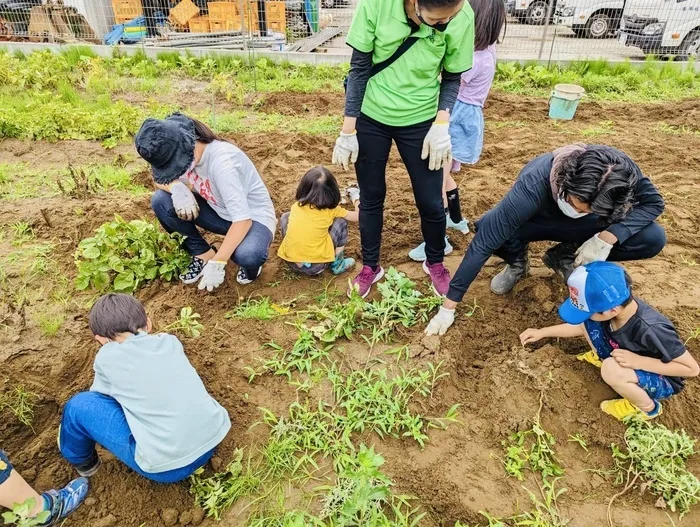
x=462 y=226
x=418 y=254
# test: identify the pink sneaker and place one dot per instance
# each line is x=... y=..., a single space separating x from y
x=439 y=276
x=363 y=281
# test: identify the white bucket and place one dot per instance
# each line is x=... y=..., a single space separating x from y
x=570 y=92
x=564 y=101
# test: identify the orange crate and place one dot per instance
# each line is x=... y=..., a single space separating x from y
x=275 y=10
x=217 y=26
x=183 y=12
x=199 y=24
x=223 y=10
x=126 y=9
x=278 y=26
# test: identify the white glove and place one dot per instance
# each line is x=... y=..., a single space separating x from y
x=212 y=275
x=437 y=144
x=353 y=194
x=593 y=250
x=346 y=149
x=441 y=322
x=185 y=204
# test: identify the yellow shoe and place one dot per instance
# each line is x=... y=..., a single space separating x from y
x=591 y=357
x=621 y=408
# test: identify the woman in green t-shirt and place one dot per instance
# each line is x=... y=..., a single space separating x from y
x=408 y=102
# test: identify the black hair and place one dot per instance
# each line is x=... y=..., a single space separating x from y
x=432 y=4
x=603 y=178
x=629 y=283
x=116 y=313
x=319 y=189
x=203 y=133
x=489 y=20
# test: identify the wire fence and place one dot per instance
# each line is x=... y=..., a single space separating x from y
x=552 y=30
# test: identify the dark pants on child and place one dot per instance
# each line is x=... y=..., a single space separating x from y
x=250 y=254
x=545 y=226
x=657 y=386
x=5 y=467
x=90 y=418
x=339 y=234
x=375 y=143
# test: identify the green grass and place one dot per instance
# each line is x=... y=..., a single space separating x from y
x=20 y=403
x=255 y=308
x=50 y=323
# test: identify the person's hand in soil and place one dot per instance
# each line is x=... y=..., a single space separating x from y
x=531 y=335
x=438 y=146
x=346 y=149
x=185 y=204
x=594 y=249
x=441 y=322
x=213 y=275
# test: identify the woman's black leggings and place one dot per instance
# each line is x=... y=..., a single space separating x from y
x=375 y=143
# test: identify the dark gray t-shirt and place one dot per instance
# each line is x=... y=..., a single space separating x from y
x=650 y=334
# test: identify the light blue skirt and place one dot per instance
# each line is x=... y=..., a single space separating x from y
x=467 y=132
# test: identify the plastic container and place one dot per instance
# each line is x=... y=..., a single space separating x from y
x=564 y=101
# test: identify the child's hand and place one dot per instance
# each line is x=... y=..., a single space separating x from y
x=531 y=335
x=627 y=359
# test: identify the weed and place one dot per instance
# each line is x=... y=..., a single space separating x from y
x=188 y=323
x=22 y=232
x=579 y=440
x=20 y=515
x=694 y=334
x=341 y=320
x=20 y=402
x=672 y=129
x=124 y=254
x=50 y=323
x=258 y=309
x=603 y=128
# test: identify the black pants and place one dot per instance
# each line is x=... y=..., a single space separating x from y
x=647 y=243
x=375 y=143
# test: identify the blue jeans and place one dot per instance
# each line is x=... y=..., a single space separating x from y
x=250 y=254
x=5 y=467
x=91 y=417
x=657 y=386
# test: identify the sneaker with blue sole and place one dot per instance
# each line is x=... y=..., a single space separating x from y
x=418 y=254
x=60 y=503
x=462 y=226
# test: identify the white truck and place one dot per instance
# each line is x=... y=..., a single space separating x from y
x=590 y=18
x=662 y=27
x=528 y=11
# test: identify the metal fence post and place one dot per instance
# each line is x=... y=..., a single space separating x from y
x=548 y=16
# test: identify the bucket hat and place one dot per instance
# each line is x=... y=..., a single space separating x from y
x=168 y=146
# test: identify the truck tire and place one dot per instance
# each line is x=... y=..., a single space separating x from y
x=690 y=49
x=599 y=26
x=536 y=13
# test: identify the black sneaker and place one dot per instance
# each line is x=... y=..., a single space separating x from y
x=244 y=278
x=90 y=467
x=193 y=272
x=560 y=259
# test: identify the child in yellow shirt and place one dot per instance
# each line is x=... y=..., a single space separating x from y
x=316 y=229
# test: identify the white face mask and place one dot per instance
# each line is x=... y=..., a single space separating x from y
x=569 y=210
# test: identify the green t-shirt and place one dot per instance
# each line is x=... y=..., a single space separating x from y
x=407 y=92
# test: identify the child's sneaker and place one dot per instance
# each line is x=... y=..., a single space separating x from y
x=244 y=278
x=439 y=276
x=462 y=226
x=590 y=357
x=418 y=254
x=342 y=264
x=60 y=503
x=621 y=408
x=87 y=468
x=363 y=281
x=194 y=271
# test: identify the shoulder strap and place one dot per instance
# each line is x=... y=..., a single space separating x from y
x=403 y=48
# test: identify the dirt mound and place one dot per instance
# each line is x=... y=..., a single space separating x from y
x=497 y=382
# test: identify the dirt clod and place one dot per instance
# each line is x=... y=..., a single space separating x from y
x=217 y=463
x=90 y=501
x=169 y=517
x=186 y=518
x=197 y=516
x=108 y=521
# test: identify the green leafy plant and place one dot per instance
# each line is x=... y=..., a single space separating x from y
x=122 y=255
x=579 y=440
x=188 y=323
x=656 y=455
x=20 y=402
x=22 y=232
x=19 y=515
x=258 y=309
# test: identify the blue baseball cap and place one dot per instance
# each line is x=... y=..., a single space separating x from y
x=594 y=288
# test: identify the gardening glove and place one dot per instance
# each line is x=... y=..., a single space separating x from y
x=346 y=149
x=438 y=146
x=593 y=250
x=441 y=322
x=185 y=204
x=212 y=275
x=353 y=193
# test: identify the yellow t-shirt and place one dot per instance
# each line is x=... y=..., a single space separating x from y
x=307 y=239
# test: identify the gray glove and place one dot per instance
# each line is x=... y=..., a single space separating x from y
x=185 y=204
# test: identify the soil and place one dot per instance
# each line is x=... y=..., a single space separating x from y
x=497 y=382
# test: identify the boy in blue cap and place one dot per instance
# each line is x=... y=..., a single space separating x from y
x=638 y=350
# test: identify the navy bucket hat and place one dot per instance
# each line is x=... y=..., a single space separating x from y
x=168 y=146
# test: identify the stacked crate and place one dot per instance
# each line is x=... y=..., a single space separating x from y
x=125 y=10
x=276 y=16
x=226 y=16
x=199 y=24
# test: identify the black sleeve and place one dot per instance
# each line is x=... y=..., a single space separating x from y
x=449 y=88
x=358 y=77
x=520 y=203
x=662 y=341
x=649 y=206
